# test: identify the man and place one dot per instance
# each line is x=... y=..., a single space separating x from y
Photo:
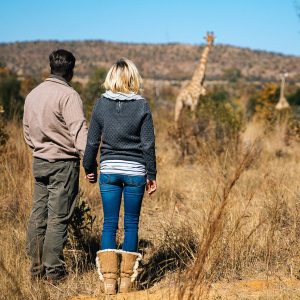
x=55 y=128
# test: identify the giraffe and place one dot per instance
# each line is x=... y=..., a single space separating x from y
x=282 y=103
x=189 y=95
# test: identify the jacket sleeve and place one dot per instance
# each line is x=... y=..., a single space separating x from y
x=26 y=129
x=93 y=141
x=72 y=112
x=148 y=143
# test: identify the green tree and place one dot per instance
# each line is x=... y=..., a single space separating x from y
x=77 y=86
x=10 y=94
x=219 y=94
x=219 y=116
x=294 y=99
x=27 y=85
x=261 y=105
x=232 y=75
x=93 y=90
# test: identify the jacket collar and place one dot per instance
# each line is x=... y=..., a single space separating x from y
x=122 y=96
x=57 y=79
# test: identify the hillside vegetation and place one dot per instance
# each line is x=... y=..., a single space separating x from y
x=156 y=61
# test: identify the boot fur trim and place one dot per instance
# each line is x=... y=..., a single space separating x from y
x=98 y=262
x=136 y=265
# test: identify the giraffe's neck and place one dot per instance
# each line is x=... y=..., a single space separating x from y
x=282 y=87
x=199 y=73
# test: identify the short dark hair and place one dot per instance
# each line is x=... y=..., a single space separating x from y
x=62 y=63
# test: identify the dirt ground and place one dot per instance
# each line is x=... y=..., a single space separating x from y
x=271 y=288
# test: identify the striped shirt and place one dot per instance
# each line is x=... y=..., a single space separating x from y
x=124 y=167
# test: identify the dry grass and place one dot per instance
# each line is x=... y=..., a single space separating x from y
x=233 y=216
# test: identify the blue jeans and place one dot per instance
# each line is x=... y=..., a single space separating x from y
x=111 y=187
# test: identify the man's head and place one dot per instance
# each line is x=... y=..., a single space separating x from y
x=62 y=63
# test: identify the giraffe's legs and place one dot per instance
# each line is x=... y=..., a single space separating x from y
x=178 y=108
x=193 y=109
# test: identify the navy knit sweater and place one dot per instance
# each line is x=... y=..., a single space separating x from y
x=125 y=128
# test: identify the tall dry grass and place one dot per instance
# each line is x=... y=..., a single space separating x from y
x=229 y=216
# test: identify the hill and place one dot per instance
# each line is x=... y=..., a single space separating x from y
x=155 y=61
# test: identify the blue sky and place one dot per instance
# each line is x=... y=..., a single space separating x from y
x=271 y=25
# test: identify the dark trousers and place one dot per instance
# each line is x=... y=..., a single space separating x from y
x=55 y=190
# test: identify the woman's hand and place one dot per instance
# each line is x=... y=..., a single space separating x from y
x=92 y=177
x=151 y=186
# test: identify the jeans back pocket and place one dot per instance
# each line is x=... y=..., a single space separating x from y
x=136 y=180
x=104 y=178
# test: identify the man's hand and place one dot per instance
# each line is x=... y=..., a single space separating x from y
x=151 y=186
x=92 y=177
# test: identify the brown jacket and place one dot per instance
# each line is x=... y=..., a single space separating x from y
x=53 y=122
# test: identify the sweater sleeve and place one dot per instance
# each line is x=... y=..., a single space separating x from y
x=148 y=143
x=72 y=113
x=26 y=131
x=93 y=141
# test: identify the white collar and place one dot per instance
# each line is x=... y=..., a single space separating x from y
x=122 y=96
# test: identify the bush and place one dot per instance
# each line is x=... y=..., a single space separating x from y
x=93 y=90
x=232 y=75
x=81 y=243
x=261 y=106
x=10 y=94
x=294 y=99
x=223 y=119
x=216 y=126
x=3 y=134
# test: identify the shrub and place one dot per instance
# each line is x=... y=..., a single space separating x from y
x=216 y=126
x=10 y=97
x=93 y=90
x=3 y=133
x=232 y=75
x=262 y=105
x=294 y=99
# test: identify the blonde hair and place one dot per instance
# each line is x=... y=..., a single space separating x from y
x=123 y=77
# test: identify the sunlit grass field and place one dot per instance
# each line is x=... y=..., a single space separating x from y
x=217 y=219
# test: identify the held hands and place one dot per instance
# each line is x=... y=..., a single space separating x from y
x=151 y=186
x=91 y=177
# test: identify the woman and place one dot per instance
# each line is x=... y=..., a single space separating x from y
x=122 y=122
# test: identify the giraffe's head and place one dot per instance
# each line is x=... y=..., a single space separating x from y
x=210 y=37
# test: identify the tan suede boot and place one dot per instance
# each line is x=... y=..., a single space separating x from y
x=129 y=270
x=107 y=265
